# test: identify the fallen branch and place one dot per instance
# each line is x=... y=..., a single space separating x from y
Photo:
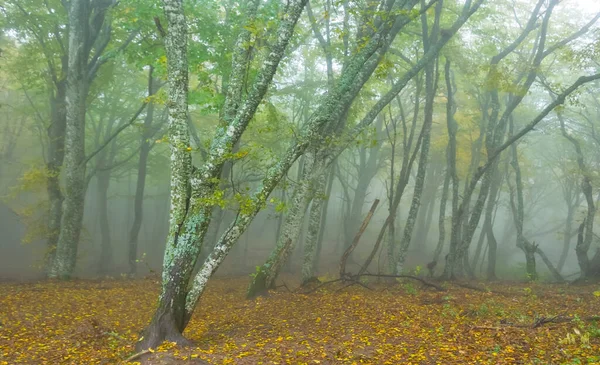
x=425 y=282
x=321 y=285
x=483 y=290
x=137 y=356
x=352 y=282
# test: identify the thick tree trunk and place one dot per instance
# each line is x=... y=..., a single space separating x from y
x=169 y=319
x=56 y=154
x=75 y=186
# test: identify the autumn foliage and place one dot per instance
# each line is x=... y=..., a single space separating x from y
x=97 y=322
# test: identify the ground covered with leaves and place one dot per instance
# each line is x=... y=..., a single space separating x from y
x=97 y=322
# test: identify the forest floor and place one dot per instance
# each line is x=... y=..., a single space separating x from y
x=97 y=322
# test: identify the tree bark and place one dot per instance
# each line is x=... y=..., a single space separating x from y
x=77 y=89
x=56 y=155
x=168 y=321
x=314 y=228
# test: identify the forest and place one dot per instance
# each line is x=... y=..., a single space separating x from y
x=299 y=182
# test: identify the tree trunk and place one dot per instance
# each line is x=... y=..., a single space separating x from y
x=566 y=236
x=314 y=227
x=140 y=186
x=169 y=319
x=77 y=89
x=431 y=80
x=102 y=184
x=56 y=155
x=442 y=218
x=323 y=225
x=264 y=279
x=488 y=225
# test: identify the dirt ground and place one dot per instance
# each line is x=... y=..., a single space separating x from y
x=98 y=322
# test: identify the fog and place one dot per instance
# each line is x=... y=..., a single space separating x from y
x=509 y=154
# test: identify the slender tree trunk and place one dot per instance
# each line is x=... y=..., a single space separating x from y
x=431 y=80
x=140 y=186
x=323 y=225
x=280 y=217
x=314 y=225
x=488 y=225
x=442 y=218
x=264 y=279
x=102 y=185
x=582 y=247
x=566 y=236
x=519 y=215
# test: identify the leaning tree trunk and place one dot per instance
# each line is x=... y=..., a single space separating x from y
x=77 y=87
x=264 y=278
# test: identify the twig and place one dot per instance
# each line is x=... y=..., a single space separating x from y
x=283 y=285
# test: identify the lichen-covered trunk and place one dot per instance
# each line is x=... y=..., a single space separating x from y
x=192 y=189
x=56 y=155
x=264 y=278
x=75 y=186
x=314 y=227
x=181 y=250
